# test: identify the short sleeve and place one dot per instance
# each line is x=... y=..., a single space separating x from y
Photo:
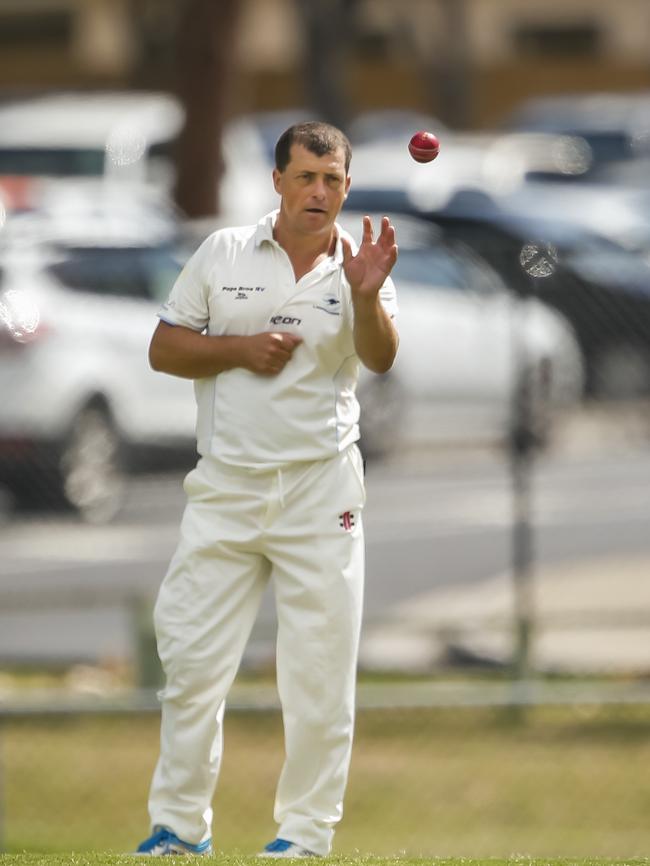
x=187 y=304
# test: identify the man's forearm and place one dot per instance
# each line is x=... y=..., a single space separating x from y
x=182 y=352
x=375 y=337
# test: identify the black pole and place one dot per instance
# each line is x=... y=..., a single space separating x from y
x=522 y=452
x=523 y=555
x=538 y=260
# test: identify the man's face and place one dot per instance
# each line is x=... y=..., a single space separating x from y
x=313 y=189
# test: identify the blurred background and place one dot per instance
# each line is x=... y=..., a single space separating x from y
x=504 y=702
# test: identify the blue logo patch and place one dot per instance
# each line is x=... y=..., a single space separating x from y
x=329 y=304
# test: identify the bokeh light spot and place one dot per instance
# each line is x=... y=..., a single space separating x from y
x=19 y=314
x=538 y=259
x=125 y=146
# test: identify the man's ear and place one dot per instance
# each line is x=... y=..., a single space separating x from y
x=277 y=176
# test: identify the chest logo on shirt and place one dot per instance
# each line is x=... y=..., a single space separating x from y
x=346 y=521
x=285 y=320
x=329 y=304
x=242 y=293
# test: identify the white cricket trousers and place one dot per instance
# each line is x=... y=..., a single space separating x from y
x=300 y=527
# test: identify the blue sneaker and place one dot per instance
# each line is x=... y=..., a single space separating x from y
x=284 y=848
x=163 y=841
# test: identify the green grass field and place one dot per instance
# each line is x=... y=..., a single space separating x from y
x=123 y=860
x=563 y=781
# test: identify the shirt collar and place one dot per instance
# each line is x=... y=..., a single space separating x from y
x=264 y=232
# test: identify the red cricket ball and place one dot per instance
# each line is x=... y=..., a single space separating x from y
x=424 y=146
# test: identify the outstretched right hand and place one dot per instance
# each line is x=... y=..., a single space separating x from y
x=268 y=353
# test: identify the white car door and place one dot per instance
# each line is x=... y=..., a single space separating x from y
x=120 y=310
x=455 y=339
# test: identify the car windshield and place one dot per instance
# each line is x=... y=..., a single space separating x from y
x=369 y=200
x=592 y=256
x=138 y=272
x=445 y=267
x=605 y=145
x=601 y=261
x=54 y=162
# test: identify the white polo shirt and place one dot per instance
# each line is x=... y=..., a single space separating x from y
x=240 y=282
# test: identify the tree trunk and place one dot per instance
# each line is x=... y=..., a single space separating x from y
x=451 y=69
x=205 y=61
x=328 y=29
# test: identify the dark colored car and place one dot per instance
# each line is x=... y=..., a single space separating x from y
x=601 y=287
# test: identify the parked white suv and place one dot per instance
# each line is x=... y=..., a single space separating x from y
x=80 y=404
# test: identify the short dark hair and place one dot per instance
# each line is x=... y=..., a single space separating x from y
x=314 y=135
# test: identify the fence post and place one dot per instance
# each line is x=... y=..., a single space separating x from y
x=148 y=670
x=522 y=565
x=522 y=447
x=538 y=260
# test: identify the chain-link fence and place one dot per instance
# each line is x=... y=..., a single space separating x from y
x=505 y=645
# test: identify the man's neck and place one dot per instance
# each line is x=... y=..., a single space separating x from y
x=305 y=251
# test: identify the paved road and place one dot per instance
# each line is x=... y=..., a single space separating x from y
x=69 y=592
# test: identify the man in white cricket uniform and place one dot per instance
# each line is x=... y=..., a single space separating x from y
x=271 y=321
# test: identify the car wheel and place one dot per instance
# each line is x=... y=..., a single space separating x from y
x=621 y=373
x=92 y=476
x=383 y=410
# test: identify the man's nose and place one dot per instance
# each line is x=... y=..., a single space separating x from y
x=319 y=187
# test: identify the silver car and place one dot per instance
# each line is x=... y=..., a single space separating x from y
x=472 y=357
